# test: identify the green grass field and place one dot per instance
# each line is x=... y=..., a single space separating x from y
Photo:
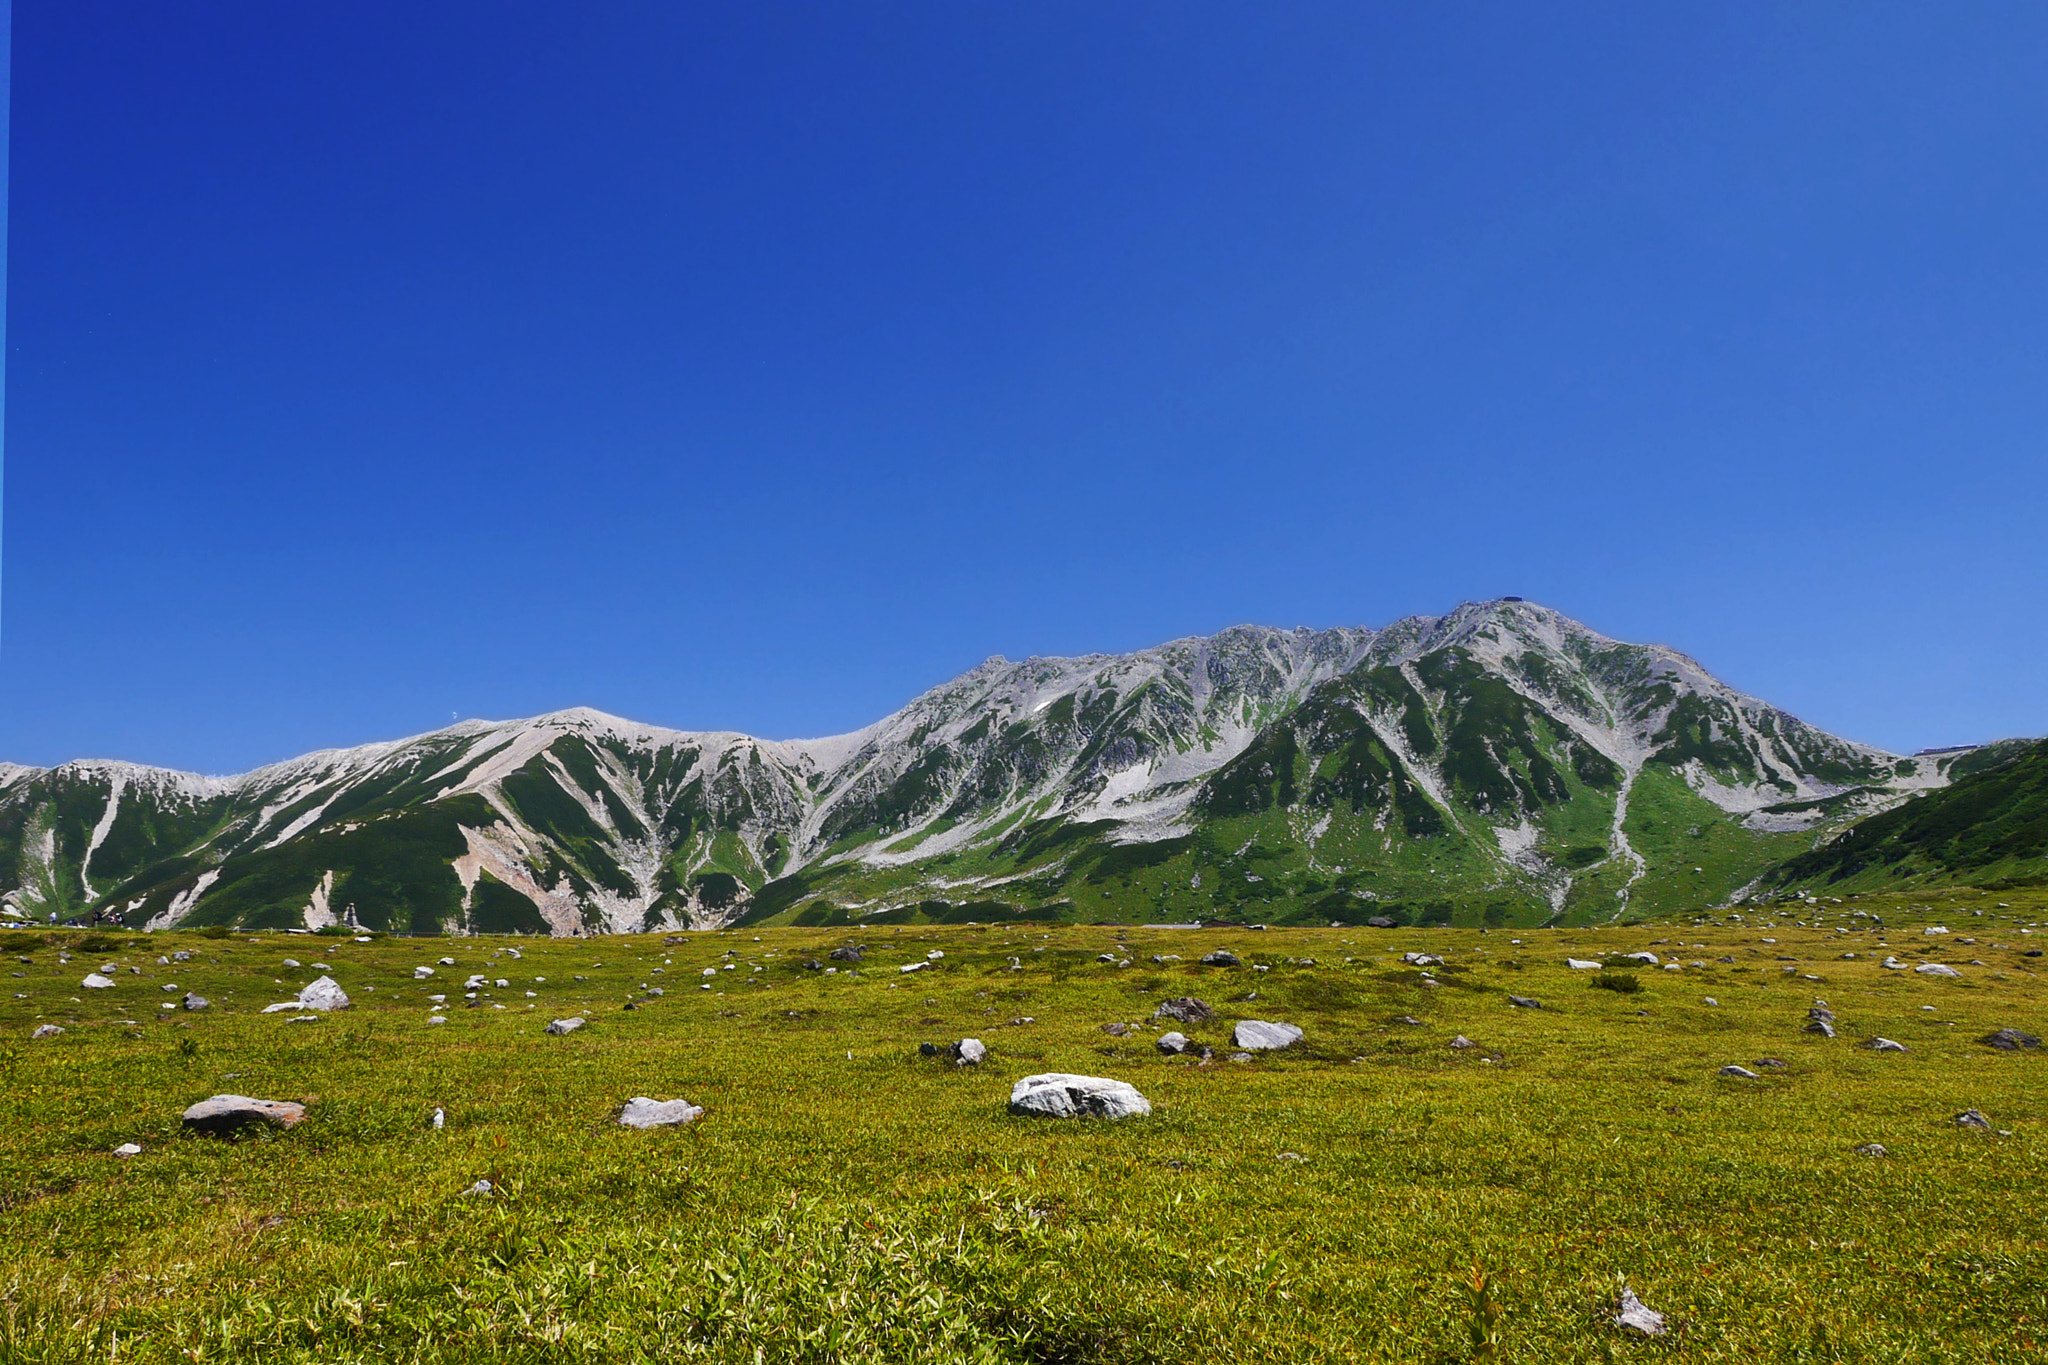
x=845 y=1199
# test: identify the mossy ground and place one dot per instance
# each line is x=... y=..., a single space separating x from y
x=844 y=1199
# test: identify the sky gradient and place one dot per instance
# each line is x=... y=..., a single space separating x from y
x=758 y=366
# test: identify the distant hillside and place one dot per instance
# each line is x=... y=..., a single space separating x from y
x=1502 y=764
x=1991 y=825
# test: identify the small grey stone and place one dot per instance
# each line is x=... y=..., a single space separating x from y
x=1884 y=1045
x=1936 y=969
x=1258 y=1035
x=1523 y=1002
x=1410 y=1020
x=1870 y=1149
x=1222 y=957
x=95 y=982
x=1172 y=1044
x=1970 y=1118
x=2009 y=1040
x=1821 y=1027
x=641 y=1112
x=229 y=1113
x=1240 y=1056
x=128 y=1149
x=1379 y=922
x=1461 y=1042
x=569 y=1025
x=1185 y=1008
x=1058 y=1095
x=47 y=1031
x=848 y=953
x=1742 y=1071
x=969 y=1052
x=1116 y=1030
x=481 y=1190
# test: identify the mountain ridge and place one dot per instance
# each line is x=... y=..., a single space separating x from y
x=1504 y=739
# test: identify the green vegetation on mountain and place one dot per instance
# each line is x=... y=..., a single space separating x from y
x=1990 y=825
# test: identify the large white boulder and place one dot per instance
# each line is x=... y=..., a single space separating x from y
x=322 y=994
x=95 y=982
x=1057 y=1095
x=641 y=1112
x=1257 y=1035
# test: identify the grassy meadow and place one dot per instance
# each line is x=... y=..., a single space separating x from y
x=845 y=1199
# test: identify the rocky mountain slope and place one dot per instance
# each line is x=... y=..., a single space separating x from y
x=1501 y=764
x=1990 y=826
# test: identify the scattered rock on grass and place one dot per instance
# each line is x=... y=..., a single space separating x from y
x=570 y=1025
x=95 y=982
x=195 y=1001
x=1741 y=1071
x=1970 y=1118
x=1579 y=964
x=2009 y=1040
x=1116 y=1030
x=128 y=1149
x=481 y=1190
x=1410 y=1020
x=1523 y=1002
x=1821 y=1027
x=47 y=1030
x=848 y=953
x=1870 y=1149
x=1461 y=1042
x=1172 y=1044
x=1185 y=1008
x=1638 y=1316
x=1380 y=922
x=231 y=1113
x=1257 y=1035
x=968 y=1052
x=1062 y=1096
x=1883 y=1045
x=323 y=993
x=641 y=1112
x=1222 y=957
x=1936 y=969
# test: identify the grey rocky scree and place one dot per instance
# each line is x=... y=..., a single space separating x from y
x=1185 y=1008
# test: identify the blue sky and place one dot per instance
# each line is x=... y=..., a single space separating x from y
x=758 y=366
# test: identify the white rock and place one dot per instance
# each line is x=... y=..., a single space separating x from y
x=128 y=1149
x=934 y=955
x=641 y=1112
x=1936 y=969
x=1173 y=1044
x=422 y=973
x=1935 y=929
x=1732 y=1070
x=440 y=1118
x=447 y=962
x=438 y=1019
x=1646 y=957
x=1062 y=1096
x=1579 y=964
x=47 y=1031
x=1633 y=1313
x=969 y=1052
x=1257 y=1035
x=913 y=967
x=562 y=1026
x=95 y=982
x=322 y=993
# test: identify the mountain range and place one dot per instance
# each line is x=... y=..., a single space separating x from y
x=1502 y=764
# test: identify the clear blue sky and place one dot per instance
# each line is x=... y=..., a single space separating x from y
x=757 y=366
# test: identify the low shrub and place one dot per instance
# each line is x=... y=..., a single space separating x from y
x=1623 y=983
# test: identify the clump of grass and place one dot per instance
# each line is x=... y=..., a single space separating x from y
x=1621 y=983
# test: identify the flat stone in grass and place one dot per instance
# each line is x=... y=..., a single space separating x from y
x=1461 y=1042
x=1579 y=964
x=1185 y=1008
x=1635 y=1315
x=1222 y=957
x=232 y=1113
x=95 y=982
x=1410 y=1020
x=1060 y=1096
x=128 y=1149
x=1257 y=1035
x=47 y=1031
x=2009 y=1040
x=1380 y=922
x=1884 y=1045
x=848 y=953
x=561 y=1026
x=1936 y=969
x=1172 y=1044
x=1116 y=1030
x=641 y=1112
x=1523 y=1002
x=1741 y=1072
x=195 y=1001
x=1971 y=1118
x=1821 y=1027
x=968 y=1052
x=1870 y=1149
